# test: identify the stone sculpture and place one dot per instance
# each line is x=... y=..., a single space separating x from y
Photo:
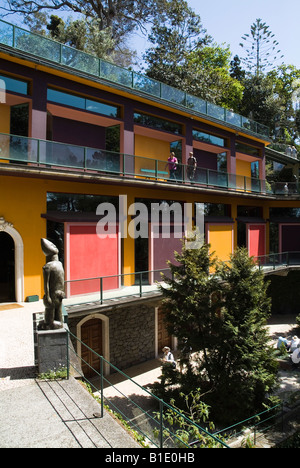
x=54 y=277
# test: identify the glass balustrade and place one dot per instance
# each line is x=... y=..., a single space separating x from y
x=18 y=38
x=44 y=153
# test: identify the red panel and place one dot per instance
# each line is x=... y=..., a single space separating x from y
x=257 y=240
x=90 y=257
x=164 y=248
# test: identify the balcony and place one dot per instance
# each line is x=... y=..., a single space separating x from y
x=62 y=55
x=44 y=154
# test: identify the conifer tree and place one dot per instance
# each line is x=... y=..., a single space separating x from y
x=219 y=312
x=244 y=360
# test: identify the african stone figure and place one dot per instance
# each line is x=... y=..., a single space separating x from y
x=54 y=276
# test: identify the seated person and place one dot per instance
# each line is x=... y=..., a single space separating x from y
x=294 y=343
x=282 y=341
x=168 y=357
x=295 y=357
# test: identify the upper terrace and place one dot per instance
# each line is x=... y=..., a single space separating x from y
x=42 y=50
x=35 y=156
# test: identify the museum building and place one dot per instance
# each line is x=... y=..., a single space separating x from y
x=76 y=133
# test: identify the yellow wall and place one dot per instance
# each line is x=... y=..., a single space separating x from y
x=243 y=169
x=4 y=118
x=220 y=237
x=150 y=149
x=21 y=203
x=23 y=200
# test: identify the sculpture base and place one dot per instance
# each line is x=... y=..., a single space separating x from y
x=52 y=349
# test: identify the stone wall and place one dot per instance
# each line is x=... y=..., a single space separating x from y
x=131 y=332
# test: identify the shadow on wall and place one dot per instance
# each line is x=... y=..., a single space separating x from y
x=285 y=293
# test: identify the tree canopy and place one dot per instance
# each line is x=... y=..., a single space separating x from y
x=183 y=55
x=261 y=48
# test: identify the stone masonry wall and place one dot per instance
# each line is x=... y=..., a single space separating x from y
x=131 y=333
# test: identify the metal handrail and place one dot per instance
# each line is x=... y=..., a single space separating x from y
x=162 y=404
x=101 y=280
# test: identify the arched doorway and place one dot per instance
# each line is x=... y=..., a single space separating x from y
x=163 y=337
x=91 y=335
x=93 y=331
x=7 y=268
x=8 y=229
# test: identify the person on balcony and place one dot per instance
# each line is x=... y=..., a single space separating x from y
x=172 y=165
x=191 y=166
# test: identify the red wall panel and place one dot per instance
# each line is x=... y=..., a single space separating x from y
x=256 y=240
x=90 y=257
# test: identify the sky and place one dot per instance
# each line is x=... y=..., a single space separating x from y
x=228 y=20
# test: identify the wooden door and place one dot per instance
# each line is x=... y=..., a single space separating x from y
x=91 y=335
x=163 y=338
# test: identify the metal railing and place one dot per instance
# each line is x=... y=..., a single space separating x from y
x=141 y=409
x=104 y=288
x=278 y=260
x=256 y=425
x=55 y=155
x=39 y=46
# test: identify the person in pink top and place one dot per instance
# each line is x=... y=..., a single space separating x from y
x=172 y=165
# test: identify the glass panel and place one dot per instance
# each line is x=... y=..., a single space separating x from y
x=222 y=162
x=101 y=160
x=215 y=111
x=234 y=119
x=145 y=84
x=242 y=148
x=101 y=108
x=59 y=154
x=201 y=176
x=114 y=73
x=246 y=123
x=218 y=179
x=80 y=60
x=255 y=185
x=232 y=181
x=240 y=182
x=262 y=129
x=249 y=124
x=18 y=149
x=37 y=45
x=172 y=94
x=128 y=164
x=4 y=147
x=6 y=33
x=196 y=104
x=208 y=138
x=158 y=123
x=65 y=98
x=145 y=167
x=162 y=170
x=16 y=86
